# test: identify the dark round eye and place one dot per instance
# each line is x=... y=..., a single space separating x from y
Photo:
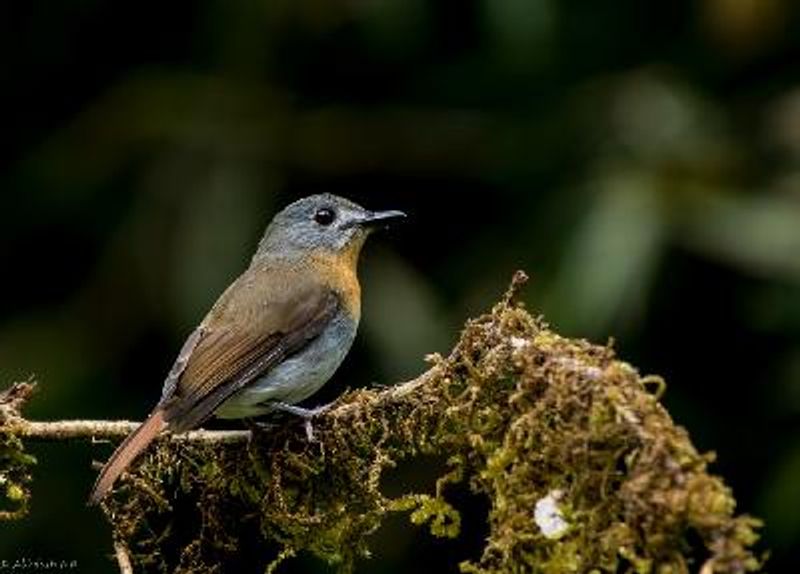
x=325 y=216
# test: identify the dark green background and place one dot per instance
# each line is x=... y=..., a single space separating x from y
x=641 y=160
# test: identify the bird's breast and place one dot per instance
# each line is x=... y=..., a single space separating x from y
x=338 y=271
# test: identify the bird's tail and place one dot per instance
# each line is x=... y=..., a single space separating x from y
x=130 y=448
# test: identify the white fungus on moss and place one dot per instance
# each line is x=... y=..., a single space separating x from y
x=548 y=517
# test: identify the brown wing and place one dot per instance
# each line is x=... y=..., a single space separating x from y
x=268 y=313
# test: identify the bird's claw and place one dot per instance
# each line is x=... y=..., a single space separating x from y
x=309 y=431
x=306 y=414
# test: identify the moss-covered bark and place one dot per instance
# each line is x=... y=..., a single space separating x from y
x=583 y=468
x=15 y=463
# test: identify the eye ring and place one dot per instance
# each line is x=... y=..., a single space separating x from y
x=325 y=216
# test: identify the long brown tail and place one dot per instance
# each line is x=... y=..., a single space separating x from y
x=130 y=448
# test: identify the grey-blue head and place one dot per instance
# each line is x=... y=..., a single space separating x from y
x=321 y=222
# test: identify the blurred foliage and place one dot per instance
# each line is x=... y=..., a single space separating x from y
x=641 y=159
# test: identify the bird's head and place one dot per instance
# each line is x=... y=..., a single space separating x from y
x=322 y=222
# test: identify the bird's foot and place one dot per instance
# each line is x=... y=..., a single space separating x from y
x=306 y=414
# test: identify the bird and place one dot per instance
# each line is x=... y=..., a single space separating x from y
x=275 y=336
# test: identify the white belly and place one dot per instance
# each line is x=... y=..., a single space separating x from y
x=297 y=377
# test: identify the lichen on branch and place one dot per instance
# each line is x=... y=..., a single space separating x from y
x=582 y=467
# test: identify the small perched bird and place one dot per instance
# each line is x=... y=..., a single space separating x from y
x=277 y=333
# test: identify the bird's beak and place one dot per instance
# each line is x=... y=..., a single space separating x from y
x=377 y=219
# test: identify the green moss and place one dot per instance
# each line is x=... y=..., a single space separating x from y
x=445 y=521
x=519 y=410
x=15 y=477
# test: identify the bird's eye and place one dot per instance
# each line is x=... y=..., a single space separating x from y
x=325 y=216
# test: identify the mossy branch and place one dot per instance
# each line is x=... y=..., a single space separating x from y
x=583 y=468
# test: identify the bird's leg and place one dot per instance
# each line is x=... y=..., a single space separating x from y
x=301 y=411
x=305 y=414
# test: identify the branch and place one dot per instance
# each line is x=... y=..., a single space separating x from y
x=123 y=558
x=582 y=468
x=14 y=399
x=106 y=430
